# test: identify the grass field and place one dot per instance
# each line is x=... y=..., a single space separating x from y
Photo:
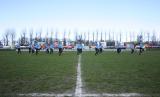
x=122 y=73
x=42 y=73
x=108 y=72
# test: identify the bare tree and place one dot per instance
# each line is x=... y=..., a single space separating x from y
x=148 y=36
x=101 y=37
x=105 y=36
x=93 y=36
x=120 y=36
x=76 y=36
x=154 y=39
x=12 y=35
x=23 y=38
x=126 y=36
x=113 y=35
x=64 y=38
x=40 y=35
x=97 y=36
x=56 y=34
x=69 y=33
x=88 y=35
x=31 y=36
x=24 y=35
x=109 y=36
x=84 y=36
x=4 y=40
x=7 y=36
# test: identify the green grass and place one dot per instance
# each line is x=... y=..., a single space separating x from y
x=42 y=73
x=123 y=73
x=109 y=72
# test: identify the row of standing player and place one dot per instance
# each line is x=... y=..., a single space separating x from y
x=50 y=48
x=132 y=47
x=98 y=48
x=36 y=47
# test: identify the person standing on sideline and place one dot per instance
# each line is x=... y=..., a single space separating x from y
x=60 y=47
x=19 y=48
x=97 y=48
x=51 y=48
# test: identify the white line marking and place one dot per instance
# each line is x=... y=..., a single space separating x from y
x=45 y=95
x=115 y=95
x=123 y=94
x=88 y=95
x=78 y=90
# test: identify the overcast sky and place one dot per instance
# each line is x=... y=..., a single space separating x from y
x=125 y=16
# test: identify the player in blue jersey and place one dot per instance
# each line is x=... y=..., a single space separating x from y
x=132 y=48
x=30 y=47
x=60 y=47
x=118 y=48
x=100 y=48
x=47 y=48
x=33 y=49
x=51 y=48
x=37 y=47
x=140 y=48
x=19 y=48
x=97 y=48
x=79 y=48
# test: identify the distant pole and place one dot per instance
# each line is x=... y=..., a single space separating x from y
x=101 y=36
x=24 y=36
x=84 y=36
x=148 y=35
x=47 y=37
x=97 y=36
x=126 y=36
x=64 y=35
x=93 y=36
x=105 y=36
x=159 y=37
x=37 y=36
x=56 y=34
x=117 y=37
x=51 y=36
x=109 y=36
x=120 y=36
x=80 y=36
x=76 y=36
x=69 y=34
x=113 y=35
x=133 y=35
x=31 y=36
x=130 y=37
x=64 y=38
x=88 y=35
x=141 y=35
x=40 y=35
